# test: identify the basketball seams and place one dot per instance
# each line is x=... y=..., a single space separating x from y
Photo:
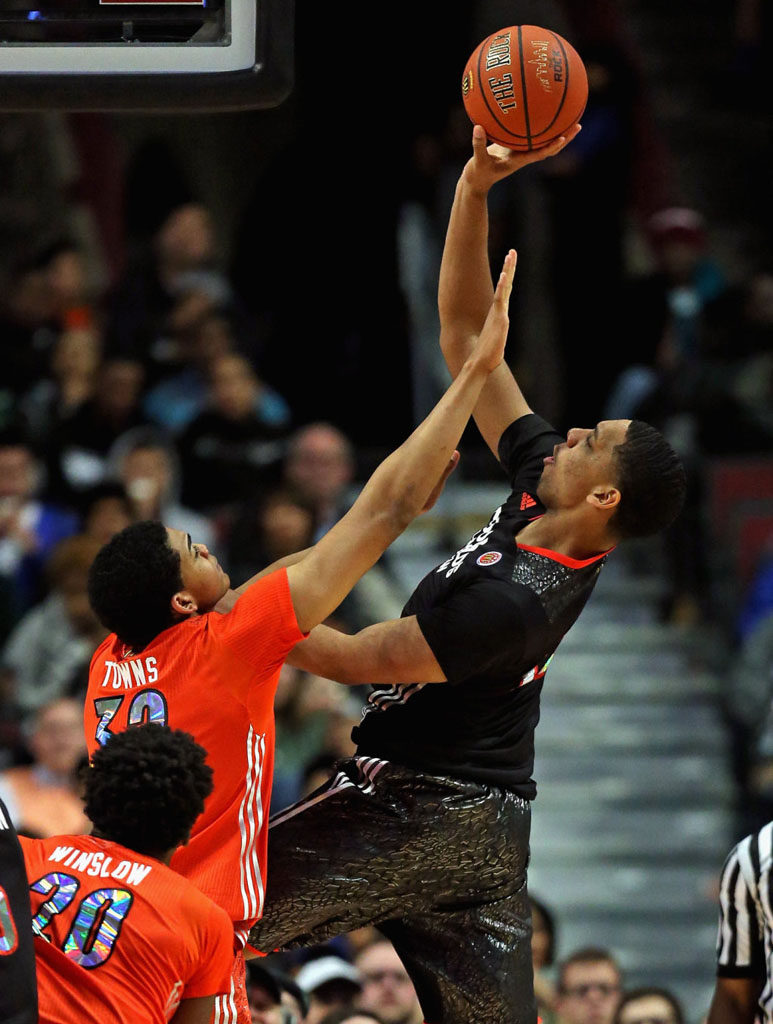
x=523 y=88
x=491 y=110
x=567 y=62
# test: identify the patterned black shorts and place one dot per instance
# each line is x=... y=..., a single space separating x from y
x=438 y=864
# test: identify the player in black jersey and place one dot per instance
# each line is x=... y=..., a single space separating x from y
x=425 y=831
x=18 y=984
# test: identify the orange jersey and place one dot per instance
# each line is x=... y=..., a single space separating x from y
x=120 y=937
x=213 y=676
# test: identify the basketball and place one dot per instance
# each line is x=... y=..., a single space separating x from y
x=526 y=86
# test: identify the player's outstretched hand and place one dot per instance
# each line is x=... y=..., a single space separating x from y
x=490 y=347
x=490 y=164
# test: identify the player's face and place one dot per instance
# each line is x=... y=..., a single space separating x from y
x=581 y=464
x=202 y=574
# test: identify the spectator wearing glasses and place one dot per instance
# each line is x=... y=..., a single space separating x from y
x=387 y=988
x=649 y=1006
x=589 y=985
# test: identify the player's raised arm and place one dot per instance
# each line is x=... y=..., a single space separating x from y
x=403 y=484
x=465 y=287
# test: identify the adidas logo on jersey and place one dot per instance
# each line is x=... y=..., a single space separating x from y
x=527 y=501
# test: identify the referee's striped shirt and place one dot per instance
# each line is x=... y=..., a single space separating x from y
x=745 y=940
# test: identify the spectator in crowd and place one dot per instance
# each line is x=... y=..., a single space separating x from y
x=27 y=324
x=664 y=311
x=106 y=510
x=43 y=798
x=543 y=947
x=47 y=655
x=264 y=994
x=233 y=448
x=649 y=1006
x=387 y=989
x=71 y=381
x=148 y=468
x=352 y=1016
x=748 y=699
x=85 y=438
x=273 y=527
x=29 y=528
x=331 y=983
x=168 y=290
x=179 y=398
x=589 y=987
x=319 y=470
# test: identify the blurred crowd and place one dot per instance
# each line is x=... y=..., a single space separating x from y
x=234 y=375
x=360 y=979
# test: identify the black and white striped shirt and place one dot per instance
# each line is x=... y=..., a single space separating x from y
x=745 y=939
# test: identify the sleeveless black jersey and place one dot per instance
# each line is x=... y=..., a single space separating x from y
x=493 y=615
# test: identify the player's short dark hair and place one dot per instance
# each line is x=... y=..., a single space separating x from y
x=645 y=993
x=145 y=788
x=652 y=482
x=132 y=581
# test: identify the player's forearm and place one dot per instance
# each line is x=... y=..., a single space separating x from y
x=324 y=653
x=402 y=484
x=735 y=1001
x=465 y=287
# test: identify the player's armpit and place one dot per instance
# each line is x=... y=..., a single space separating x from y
x=735 y=1000
x=389 y=652
x=195 y=1011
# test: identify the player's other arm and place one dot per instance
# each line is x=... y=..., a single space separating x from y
x=389 y=652
x=465 y=288
x=401 y=486
x=735 y=1001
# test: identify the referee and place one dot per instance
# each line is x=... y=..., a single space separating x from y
x=744 y=989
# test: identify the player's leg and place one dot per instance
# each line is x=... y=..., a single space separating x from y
x=472 y=963
x=329 y=860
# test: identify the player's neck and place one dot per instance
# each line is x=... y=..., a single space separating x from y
x=566 y=533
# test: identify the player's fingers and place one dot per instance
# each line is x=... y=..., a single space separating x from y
x=505 y=282
x=478 y=140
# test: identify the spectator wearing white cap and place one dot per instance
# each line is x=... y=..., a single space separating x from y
x=331 y=984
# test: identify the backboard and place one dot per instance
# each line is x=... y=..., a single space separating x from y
x=145 y=55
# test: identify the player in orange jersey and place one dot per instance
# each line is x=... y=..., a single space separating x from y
x=119 y=936
x=168 y=660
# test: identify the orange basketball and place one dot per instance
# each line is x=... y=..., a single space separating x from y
x=526 y=86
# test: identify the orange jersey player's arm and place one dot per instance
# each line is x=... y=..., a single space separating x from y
x=402 y=485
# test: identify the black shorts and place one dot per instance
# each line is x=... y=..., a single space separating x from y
x=437 y=864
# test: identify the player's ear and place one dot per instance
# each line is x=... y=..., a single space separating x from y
x=605 y=497
x=184 y=603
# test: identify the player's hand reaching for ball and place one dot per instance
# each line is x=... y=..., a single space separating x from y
x=489 y=164
x=489 y=350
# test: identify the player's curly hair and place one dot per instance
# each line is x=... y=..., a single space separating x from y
x=132 y=581
x=652 y=483
x=145 y=788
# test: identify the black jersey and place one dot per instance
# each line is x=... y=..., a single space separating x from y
x=493 y=616
x=18 y=986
